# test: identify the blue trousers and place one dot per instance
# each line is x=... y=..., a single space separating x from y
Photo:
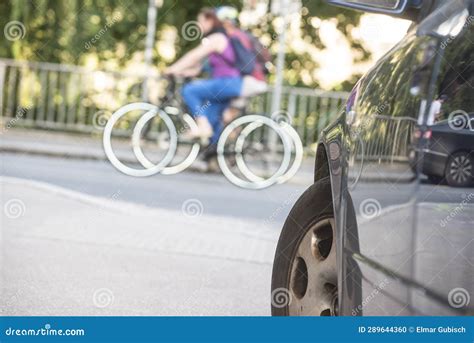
x=210 y=98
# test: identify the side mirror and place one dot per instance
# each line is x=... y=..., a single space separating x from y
x=377 y=6
x=406 y=9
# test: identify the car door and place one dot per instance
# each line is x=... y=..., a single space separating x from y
x=387 y=128
x=381 y=182
x=444 y=239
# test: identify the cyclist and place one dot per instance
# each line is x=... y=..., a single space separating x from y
x=254 y=83
x=207 y=99
x=250 y=60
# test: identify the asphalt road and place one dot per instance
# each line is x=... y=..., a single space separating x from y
x=218 y=196
x=92 y=241
x=84 y=239
x=97 y=178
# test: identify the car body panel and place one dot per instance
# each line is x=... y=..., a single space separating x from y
x=398 y=256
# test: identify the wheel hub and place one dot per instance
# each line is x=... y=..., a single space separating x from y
x=313 y=278
x=460 y=169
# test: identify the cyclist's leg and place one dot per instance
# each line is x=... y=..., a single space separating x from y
x=194 y=95
x=236 y=107
x=223 y=91
x=214 y=113
x=209 y=98
x=199 y=94
x=250 y=87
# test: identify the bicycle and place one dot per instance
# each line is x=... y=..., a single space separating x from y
x=172 y=112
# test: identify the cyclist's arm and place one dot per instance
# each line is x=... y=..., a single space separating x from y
x=216 y=42
x=192 y=71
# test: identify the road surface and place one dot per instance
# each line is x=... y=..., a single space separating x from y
x=91 y=241
x=80 y=238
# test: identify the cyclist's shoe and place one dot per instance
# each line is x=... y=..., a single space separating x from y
x=209 y=152
x=191 y=137
x=202 y=134
x=204 y=127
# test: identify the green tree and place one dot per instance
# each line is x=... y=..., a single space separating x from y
x=114 y=30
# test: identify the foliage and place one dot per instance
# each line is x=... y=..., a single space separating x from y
x=114 y=30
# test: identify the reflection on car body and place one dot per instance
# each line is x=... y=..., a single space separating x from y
x=370 y=237
x=448 y=152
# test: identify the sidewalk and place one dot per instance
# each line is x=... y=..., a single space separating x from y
x=81 y=146
x=144 y=261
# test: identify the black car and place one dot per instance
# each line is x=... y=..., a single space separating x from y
x=448 y=153
x=369 y=237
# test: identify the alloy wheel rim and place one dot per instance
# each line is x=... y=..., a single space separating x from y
x=460 y=169
x=313 y=278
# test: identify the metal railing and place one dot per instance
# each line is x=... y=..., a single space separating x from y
x=385 y=140
x=393 y=138
x=68 y=98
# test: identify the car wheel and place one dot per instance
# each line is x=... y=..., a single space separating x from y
x=304 y=279
x=459 y=169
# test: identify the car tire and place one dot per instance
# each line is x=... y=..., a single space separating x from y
x=304 y=278
x=459 y=169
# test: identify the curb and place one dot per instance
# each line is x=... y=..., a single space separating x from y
x=102 y=157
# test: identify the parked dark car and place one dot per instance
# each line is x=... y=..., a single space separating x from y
x=369 y=237
x=449 y=150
